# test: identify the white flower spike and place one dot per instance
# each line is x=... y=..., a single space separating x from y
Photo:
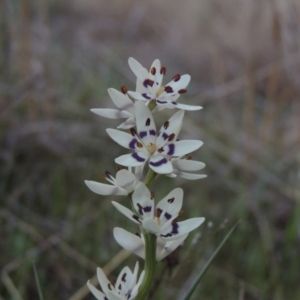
x=159 y=148
x=125 y=111
x=150 y=86
x=123 y=184
x=136 y=243
x=126 y=287
x=161 y=221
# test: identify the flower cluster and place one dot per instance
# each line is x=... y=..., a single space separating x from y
x=152 y=153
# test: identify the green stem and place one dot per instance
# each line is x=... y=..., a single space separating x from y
x=150 y=177
x=150 y=263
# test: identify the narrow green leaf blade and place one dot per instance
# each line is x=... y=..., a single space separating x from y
x=201 y=274
x=37 y=282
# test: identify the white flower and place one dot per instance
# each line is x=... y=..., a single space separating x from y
x=147 y=144
x=123 y=184
x=126 y=286
x=183 y=166
x=150 y=86
x=161 y=221
x=136 y=243
x=125 y=111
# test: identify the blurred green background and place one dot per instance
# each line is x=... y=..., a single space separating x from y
x=57 y=60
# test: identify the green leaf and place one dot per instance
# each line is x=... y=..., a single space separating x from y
x=196 y=282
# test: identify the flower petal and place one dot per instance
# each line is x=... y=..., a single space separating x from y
x=142 y=201
x=120 y=100
x=182 y=83
x=99 y=295
x=129 y=123
x=140 y=96
x=160 y=164
x=105 y=189
x=180 y=148
x=155 y=73
x=111 y=113
x=145 y=124
x=187 y=165
x=132 y=160
x=169 y=246
x=151 y=226
x=136 y=288
x=188 y=107
x=172 y=126
x=127 y=212
x=170 y=206
x=189 y=176
x=124 y=139
x=104 y=282
x=126 y=180
x=176 y=230
x=139 y=71
x=129 y=241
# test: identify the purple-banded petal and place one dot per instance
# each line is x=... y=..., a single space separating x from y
x=111 y=113
x=124 y=139
x=170 y=206
x=145 y=124
x=99 y=295
x=126 y=180
x=129 y=123
x=187 y=165
x=182 y=83
x=183 y=147
x=160 y=164
x=142 y=201
x=104 y=282
x=127 y=212
x=173 y=231
x=105 y=189
x=146 y=96
x=151 y=226
x=164 y=248
x=120 y=100
x=129 y=241
x=172 y=126
x=139 y=71
x=133 y=160
x=188 y=107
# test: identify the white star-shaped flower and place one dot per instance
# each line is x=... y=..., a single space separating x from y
x=123 y=184
x=125 y=108
x=125 y=288
x=136 y=243
x=149 y=86
x=159 y=148
x=183 y=166
x=161 y=221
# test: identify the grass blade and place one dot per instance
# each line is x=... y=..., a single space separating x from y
x=36 y=276
x=201 y=274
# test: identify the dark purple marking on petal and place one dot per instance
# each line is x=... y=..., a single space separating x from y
x=175 y=227
x=146 y=96
x=142 y=134
x=159 y=163
x=168 y=216
x=147 y=208
x=174 y=103
x=166 y=235
x=152 y=132
x=171 y=149
x=161 y=102
x=137 y=218
x=132 y=143
x=165 y=136
x=137 y=157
